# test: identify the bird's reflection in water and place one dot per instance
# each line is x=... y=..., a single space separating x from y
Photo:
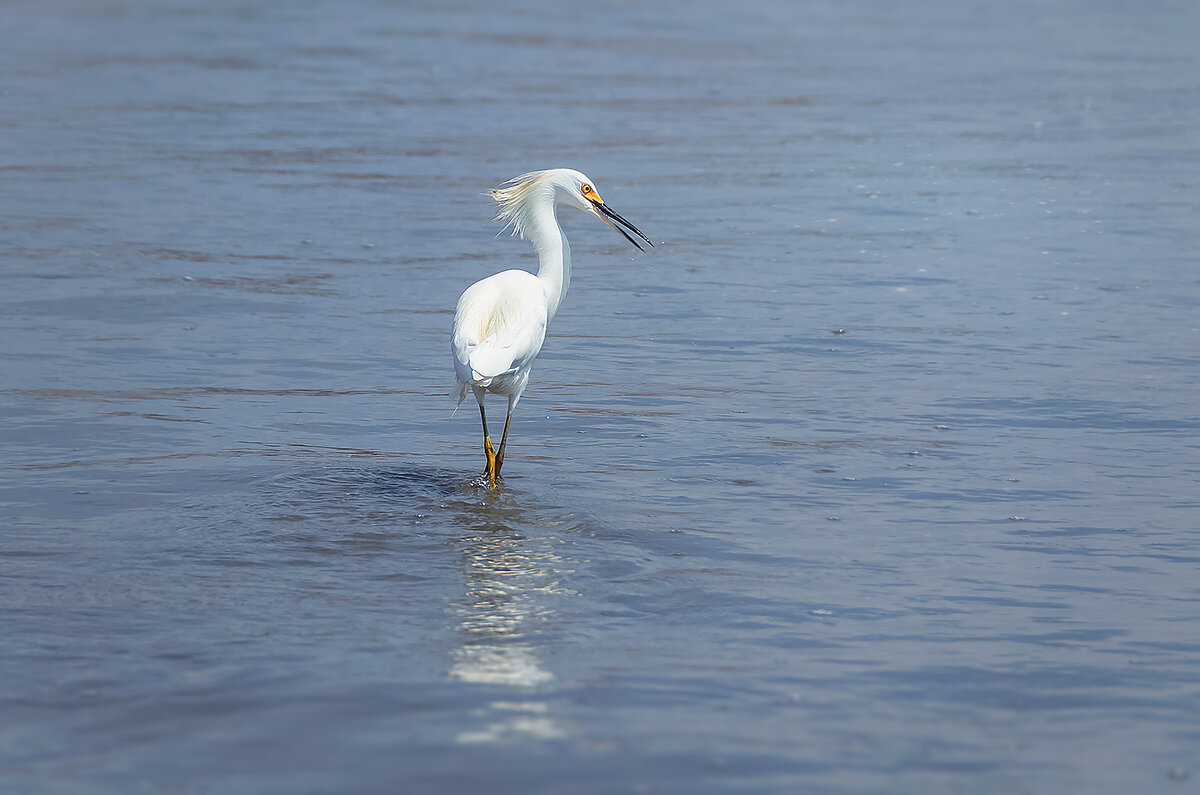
x=512 y=583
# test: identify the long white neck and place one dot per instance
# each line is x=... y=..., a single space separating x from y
x=554 y=255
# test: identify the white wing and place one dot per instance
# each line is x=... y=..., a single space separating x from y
x=499 y=327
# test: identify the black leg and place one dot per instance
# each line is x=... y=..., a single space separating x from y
x=503 y=441
x=492 y=469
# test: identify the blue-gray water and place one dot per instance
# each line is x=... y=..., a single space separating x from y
x=879 y=474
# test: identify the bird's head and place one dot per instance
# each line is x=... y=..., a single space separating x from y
x=577 y=190
x=559 y=186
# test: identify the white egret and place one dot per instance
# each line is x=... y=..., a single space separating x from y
x=500 y=321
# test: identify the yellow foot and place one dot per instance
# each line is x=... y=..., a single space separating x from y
x=490 y=472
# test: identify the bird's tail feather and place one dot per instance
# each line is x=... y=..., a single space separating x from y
x=462 y=390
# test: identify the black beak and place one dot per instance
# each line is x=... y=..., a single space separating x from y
x=608 y=216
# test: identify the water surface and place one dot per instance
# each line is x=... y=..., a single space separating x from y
x=879 y=474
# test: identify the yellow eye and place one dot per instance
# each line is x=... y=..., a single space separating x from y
x=587 y=189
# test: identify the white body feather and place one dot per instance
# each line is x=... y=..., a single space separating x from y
x=499 y=327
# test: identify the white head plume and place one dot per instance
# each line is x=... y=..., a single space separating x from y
x=515 y=199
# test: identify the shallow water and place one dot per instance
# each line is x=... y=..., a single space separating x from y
x=878 y=474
